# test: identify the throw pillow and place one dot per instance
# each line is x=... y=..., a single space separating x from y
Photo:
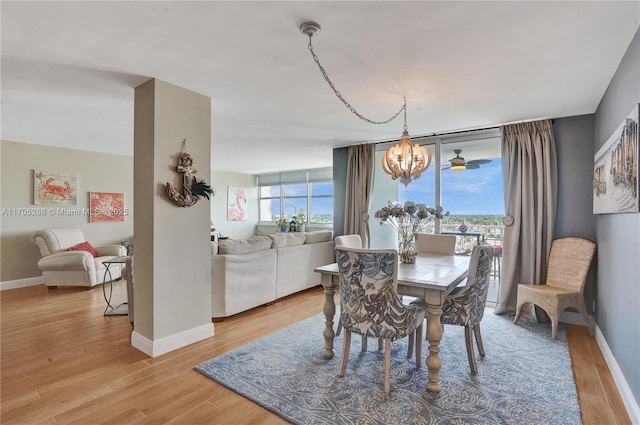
x=84 y=246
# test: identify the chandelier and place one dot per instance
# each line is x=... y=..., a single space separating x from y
x=402 y=160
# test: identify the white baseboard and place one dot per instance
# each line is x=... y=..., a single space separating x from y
x=21 y=283
x=170 y=343
x=621 y=383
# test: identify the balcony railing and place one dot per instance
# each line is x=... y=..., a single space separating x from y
x=493 y=235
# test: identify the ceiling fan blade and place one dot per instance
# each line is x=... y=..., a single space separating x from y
x=478 y=161
x=473 y=166
x=446 y=167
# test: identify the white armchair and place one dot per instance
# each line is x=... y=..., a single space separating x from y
x=73 y=268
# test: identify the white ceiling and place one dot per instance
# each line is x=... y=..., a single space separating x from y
x=69 y=69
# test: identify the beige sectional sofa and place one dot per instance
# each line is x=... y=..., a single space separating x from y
x=247 y=273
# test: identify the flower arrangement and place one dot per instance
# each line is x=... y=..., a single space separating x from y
x=300 y=218
x=407 y=220
x=283 y=222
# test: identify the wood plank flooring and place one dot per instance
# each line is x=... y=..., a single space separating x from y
x=64 y=363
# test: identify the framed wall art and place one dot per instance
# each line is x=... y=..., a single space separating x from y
x=106 y=207
x=54 y=188
x=615 y=170
x=237 y=204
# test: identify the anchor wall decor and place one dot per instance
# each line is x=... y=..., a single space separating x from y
x=192 y=188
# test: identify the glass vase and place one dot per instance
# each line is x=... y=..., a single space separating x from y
x=407 y=248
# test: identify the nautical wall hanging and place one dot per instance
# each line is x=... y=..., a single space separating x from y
x=192 y=188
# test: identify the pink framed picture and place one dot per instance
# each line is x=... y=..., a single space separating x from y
x=106 y=207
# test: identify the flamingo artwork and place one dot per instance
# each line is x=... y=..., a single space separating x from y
x=237 y=208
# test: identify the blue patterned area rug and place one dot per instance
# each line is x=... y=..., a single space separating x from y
x=525 y=378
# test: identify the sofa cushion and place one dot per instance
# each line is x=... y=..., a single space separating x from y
x=319 y=236
x=281 y=240
x=83 y=246
x=243 y=246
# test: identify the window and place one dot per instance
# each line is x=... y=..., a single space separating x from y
x=473 y=196
x=286 y=194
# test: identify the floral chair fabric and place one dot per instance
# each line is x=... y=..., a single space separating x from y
x=369 y=303
x=465 y=306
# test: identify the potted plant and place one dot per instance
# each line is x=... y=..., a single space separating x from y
x=301 y=220
x=282 y=224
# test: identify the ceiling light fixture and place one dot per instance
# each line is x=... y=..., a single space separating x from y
x=458 y=163
x=402 y=159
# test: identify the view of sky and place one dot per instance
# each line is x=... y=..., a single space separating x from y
x=469 y=192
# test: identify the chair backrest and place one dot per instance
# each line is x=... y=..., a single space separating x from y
x=428 y=243
x=369 y=302
x=349 y=241
x=51 y=241
x=569 y=262
x=467 y=305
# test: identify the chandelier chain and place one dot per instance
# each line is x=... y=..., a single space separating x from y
x=347 y=104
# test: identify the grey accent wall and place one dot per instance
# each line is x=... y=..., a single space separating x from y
x=574 y=218
x=97 y=172
x=618 y=235
x=340 y=161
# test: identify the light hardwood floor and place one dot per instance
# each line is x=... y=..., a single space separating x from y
x=64 y=363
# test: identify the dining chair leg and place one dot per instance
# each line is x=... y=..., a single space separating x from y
x=345 y=352
x=478 y=336
x=412 y=337
x=364 y=343
x=468 y=338
x=387 y=366
x=339 y=327
x=379 y=344
x=419 y=347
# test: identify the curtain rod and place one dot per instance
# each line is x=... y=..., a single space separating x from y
x=449 y=133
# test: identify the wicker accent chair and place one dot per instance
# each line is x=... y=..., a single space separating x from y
x=427 y=243
x=569 y=262
x=369 y=304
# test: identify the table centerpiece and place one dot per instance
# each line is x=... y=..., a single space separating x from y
x=407 y=220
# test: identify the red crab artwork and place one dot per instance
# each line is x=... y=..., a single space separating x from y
x=55 y=189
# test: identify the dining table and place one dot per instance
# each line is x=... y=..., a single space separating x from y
x=430 y=278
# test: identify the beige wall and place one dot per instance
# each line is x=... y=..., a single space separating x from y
x=97 y=172
x=172 y=254
x=221 y=182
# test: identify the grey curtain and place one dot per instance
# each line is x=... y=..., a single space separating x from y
x=361 y=159
x=530 y=193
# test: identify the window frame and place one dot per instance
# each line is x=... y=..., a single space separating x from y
x=286 y=179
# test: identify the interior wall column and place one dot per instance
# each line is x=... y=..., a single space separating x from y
x=172 y=283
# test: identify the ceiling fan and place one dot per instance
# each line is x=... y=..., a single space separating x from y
x=458 y=163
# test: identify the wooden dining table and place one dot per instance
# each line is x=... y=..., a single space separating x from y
x=431 y=278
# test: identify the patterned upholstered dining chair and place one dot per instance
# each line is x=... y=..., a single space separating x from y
x=465 y=305
x=567 y=269
x=427 y=243
x=369 y=304
x=350 y=241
